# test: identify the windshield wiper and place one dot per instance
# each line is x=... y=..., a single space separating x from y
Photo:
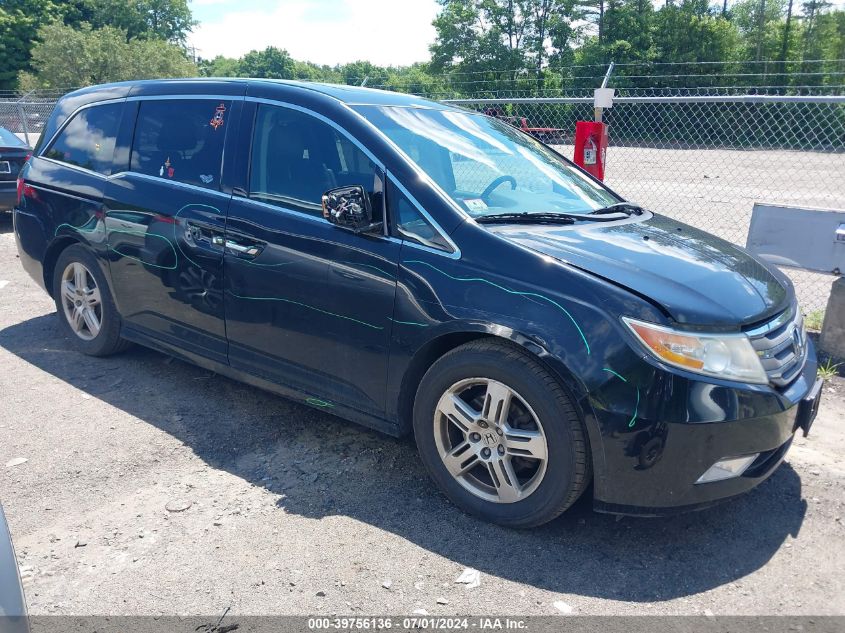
x=628 y=208
x=542 y=217
x=526 y=218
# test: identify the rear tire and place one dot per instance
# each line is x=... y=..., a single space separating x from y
x=84 y=303
x=487 y=416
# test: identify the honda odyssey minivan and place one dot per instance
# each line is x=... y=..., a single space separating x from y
x=419 y=268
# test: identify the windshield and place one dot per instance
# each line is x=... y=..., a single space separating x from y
x=485 y=165
x=10 y=140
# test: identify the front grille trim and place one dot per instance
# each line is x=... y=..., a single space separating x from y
x=775 y=344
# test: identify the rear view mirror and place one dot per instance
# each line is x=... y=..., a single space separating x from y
x=349 y=208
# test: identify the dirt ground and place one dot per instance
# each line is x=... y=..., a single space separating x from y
x=154 y=487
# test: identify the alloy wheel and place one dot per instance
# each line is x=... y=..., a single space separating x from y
x=490 y=440
x=81 y=301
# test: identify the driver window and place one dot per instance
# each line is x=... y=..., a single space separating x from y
x=296 y=158
x=411 y=225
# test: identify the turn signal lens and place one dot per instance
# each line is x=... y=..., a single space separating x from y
x=728 y=356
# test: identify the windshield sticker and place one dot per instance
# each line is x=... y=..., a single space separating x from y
x=206 y=179
x=475 y=204
x=217 y=119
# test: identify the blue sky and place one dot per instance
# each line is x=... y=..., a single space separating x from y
x=385 y=32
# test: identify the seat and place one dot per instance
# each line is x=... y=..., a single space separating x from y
x=175 y=139
x=297 y=163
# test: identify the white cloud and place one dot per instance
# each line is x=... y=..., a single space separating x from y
x=385 y=32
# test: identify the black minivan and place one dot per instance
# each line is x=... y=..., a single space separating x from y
x=416 y=267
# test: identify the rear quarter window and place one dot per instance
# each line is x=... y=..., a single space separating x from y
x=88 y=139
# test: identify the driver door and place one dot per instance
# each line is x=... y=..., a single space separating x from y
x=308 y=305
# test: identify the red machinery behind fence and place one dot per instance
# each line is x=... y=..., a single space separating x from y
x=591 y=146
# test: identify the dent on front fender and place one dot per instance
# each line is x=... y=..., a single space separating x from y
x=575 y=333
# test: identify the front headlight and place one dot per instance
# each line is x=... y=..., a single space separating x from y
x=728 y=356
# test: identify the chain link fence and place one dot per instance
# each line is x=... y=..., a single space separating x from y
x=706 y=159
x=702 y=156
x=26 y=114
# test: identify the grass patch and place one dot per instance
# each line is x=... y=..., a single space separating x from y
x=813 y=320
x=829 y=369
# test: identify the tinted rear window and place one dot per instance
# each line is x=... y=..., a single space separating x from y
x=181 y=140
x=88 y=139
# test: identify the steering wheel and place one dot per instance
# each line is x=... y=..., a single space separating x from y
x=493 y=185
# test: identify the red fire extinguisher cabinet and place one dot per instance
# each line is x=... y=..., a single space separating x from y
x=591 y=147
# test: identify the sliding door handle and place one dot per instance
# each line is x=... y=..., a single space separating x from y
x=251 y=251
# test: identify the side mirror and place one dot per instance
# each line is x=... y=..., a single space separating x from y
x=349 y=208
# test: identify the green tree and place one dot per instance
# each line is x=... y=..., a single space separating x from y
x=628 y=31
x=66 y=57
x=271 y=63
x=355 y=73
x=813 y=20
x=759 y=23
x=169 y=20
x=307 y=71
x=465 y=42
x=492 y=43
x=787 y=28
x=220 y=66
x=416 y=79
x=694 y=32
x=19 y=20
x=833 y=36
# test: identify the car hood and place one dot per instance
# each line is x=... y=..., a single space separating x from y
x=696 y=277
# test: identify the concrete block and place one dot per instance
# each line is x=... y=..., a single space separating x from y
x=832 y=340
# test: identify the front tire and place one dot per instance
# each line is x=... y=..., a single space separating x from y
x=85 y=307
x=500 y=436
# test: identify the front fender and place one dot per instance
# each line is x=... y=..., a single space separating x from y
x=566 y=318
x=409 y=364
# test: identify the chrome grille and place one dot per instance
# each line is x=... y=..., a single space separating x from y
x=781 y=345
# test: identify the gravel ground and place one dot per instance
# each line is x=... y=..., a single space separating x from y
x=154 y=487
